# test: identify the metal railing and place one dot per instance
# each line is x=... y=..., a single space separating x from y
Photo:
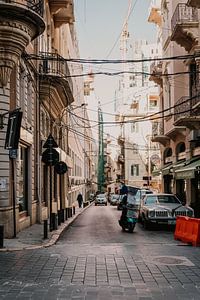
x=158 y=128
x=186 y=107
x=55 y=65
x=184 y=14
x=34 y=5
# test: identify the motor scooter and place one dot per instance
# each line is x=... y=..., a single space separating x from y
x=129 y=221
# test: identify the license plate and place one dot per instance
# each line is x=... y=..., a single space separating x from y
x=172 y=222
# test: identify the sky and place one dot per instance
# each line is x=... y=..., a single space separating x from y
x=98 y=25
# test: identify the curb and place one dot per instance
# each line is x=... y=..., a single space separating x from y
x=53 y=239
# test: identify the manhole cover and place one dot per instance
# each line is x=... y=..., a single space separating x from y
x=169 y=260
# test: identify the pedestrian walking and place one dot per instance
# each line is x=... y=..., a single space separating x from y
x=80 y=200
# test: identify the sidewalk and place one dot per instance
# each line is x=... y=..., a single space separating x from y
x=33 y=237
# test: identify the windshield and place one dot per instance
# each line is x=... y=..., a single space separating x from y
x=101 y=196
x=115 y=196
x=161 y=199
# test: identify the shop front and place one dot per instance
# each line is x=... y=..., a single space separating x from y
x=188 y=181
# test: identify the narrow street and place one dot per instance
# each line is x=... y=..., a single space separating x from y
x=94 y=259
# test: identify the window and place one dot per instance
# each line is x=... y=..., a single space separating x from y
x=153 y=103
x=23 y=179
x=29 y=101
x=135 y=170
x=134 y=127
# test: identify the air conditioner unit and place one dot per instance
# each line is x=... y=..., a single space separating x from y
x=194 y=135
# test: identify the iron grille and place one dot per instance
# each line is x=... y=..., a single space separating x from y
x=34 y=5
x=55 y=65
x=162 y=213
x=180 y=213
x=184 y=14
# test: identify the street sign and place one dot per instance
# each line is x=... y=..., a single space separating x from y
x=50 y=142
x=50 y=157
x=61 y=167
x=13 y=130
x=13 y=153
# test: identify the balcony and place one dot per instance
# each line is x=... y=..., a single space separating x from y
x=62 y=10
x=194 y=3
x=54 y=70
x=158 y=135
x=21 y=21
x=187 y=112
x=184 y=25
x=156 y=73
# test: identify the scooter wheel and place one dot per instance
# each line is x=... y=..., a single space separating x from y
x=131 y=228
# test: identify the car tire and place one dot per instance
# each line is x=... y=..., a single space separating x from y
x=95 y=204
x=105 y=204
x=146 y=224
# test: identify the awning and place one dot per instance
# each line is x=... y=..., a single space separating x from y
x=156 y=173
x=178 y=165
x=66 y=158
x=166 y=169
x=188 y=171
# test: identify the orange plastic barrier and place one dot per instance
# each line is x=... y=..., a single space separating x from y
x=188 y=230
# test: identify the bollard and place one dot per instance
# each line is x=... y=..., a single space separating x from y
x=1 y=235
x=62 y=215
x=59 y=217
x=74 y=210
x=70 y=211
x=66 y=214
x=45 y=229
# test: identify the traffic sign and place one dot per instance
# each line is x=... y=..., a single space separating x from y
x=50 y=142
x=50 y=157
x=61 y=167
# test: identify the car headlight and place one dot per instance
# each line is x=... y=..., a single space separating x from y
x=169 y=213
x=190 y=213
x=152 y=213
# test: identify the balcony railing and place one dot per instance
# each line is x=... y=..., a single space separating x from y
x=157 y=128
x=34 y=5
x=184 y=15
x=186 y=107
x=55 y=65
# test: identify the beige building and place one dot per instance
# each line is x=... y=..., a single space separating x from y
x=36 y=39
x=178 y=131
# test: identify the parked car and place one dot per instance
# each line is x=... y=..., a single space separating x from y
x=101 y=199
x=139 y=195
x=91 y=197
x=162 y=209
x=114 y=199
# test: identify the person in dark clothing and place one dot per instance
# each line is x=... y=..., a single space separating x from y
x=124 y=208
x=80 y=200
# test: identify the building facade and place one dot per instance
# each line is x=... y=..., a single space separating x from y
x=139 y=99
x=178 y=132
x=36 y=40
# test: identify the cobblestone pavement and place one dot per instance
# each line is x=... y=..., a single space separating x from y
x=144 y=265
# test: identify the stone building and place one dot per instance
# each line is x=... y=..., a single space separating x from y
x=37 y=38
x=178 y=133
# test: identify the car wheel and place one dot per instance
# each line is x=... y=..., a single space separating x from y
x=146 y=224
x=105 y=204
x=95 y=204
